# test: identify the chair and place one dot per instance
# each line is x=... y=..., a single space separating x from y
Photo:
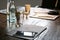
x=50 y=4
x=58 y=4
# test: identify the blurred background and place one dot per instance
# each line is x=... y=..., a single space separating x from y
x=3 y=3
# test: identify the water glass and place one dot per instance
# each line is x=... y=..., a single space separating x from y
x=27 y=10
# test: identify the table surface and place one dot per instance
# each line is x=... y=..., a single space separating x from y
x=32 y=24
x=40 y=22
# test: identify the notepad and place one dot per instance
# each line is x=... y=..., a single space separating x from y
x=44 y=16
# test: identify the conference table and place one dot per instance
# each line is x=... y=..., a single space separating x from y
x=38 y=21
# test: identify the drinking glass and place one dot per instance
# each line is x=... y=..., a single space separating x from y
x=19 y=17
x=27 y=10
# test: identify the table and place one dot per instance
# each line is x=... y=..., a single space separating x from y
x=37 y=22
x=38 y=29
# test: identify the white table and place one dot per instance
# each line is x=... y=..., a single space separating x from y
x=33 y=21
